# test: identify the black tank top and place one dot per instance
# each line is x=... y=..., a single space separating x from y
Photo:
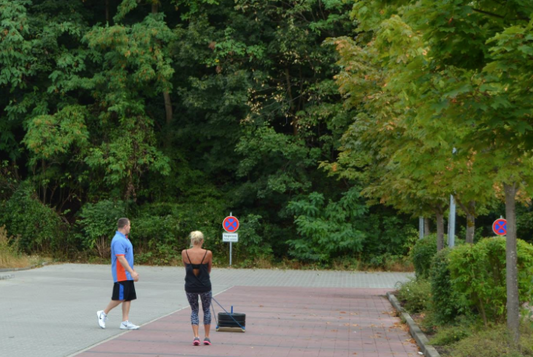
x=200 y=283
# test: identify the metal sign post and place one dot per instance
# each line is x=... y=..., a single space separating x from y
x=230 y=225
x=451 y=223
x=451 y=217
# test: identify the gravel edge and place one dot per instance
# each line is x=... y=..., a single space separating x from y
x=9 y=276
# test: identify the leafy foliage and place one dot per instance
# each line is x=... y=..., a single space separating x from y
x=188 y=110
x=254 y=242
x=38 y=227
x=388 y=237
x=415 y=295
x=494 y=342
x=98 y=224
x=448 y=335
x=422 y=254
x=448 y=304
x=478 y=275
x=327 y=230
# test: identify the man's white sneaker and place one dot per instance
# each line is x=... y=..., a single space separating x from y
x=102 y=317
x=126 y=325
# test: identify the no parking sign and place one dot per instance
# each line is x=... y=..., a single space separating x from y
x=230 y=224
x=500 y=226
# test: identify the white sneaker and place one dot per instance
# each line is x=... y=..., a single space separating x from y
x=102 y=317
x=126 y=325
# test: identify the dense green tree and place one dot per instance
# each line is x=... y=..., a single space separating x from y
x=187 y=103
x=464 y=75
x=185 y=110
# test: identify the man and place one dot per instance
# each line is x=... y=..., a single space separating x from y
x=123 y=275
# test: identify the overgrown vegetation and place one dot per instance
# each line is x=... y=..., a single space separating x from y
x=461 y=302
x=477 y=275
x=10 y=256
x=442 y=102
x=294 y=115
x=421 y=255
x=448 y=303
x=494 y=341
x=415 y=295
x=176 y=113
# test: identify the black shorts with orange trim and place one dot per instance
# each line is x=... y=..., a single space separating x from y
x=124 y=291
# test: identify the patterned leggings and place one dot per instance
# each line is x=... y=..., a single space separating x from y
x=206 y=304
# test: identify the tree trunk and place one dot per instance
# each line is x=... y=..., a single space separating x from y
x=470 y=228
x=42 y=180
x=427 y=231
x=168 y=107
x=470 y=210
x=291 y=102
x=440 y=230
x=166 y=95
x=16 y=169
x=513 y=306
x=483 y=314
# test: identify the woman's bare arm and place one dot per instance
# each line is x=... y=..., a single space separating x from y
x=210 y=260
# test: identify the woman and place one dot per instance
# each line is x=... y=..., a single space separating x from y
x=197 y=263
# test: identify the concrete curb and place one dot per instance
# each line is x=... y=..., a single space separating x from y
x=26 y=268
x=418 y=335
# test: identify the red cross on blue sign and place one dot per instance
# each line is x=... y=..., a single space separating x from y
x=230 y=224
x=500 y=226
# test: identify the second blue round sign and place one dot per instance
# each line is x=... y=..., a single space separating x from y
x=500 y=226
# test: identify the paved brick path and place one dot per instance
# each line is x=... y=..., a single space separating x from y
x=280 y=321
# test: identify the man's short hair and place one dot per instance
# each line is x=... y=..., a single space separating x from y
x=122 y=222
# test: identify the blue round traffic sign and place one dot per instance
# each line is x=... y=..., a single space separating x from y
x=500 y=226
x=230 y=224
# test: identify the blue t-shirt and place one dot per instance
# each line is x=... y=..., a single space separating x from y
x=120 y=245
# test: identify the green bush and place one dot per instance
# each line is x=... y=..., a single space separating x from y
x=422 y=253
x=98 y=224
x=206 y=217
x=451 y=334
x=39 y=227
x=387 y=235
x=160 y=231
x=253 y=243
x=478 y=273
x=415 y=295
x=157 y=239
x=494 y=342
x=327 y=229
x=447 y=303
